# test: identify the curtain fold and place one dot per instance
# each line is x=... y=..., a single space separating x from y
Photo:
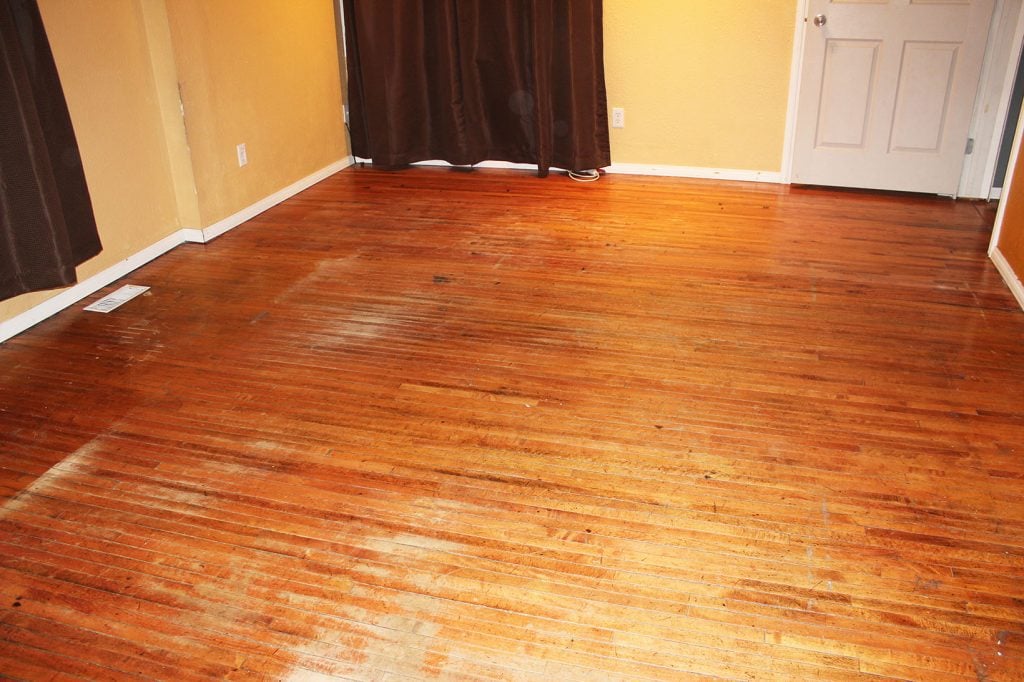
x=47 y=226
x=473 y=80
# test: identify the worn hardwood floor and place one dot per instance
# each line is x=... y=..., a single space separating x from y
x=431 y=424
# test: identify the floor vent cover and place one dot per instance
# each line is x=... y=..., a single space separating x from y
x=117 y=298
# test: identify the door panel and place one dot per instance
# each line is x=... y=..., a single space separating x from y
x=847 y=82
x=922 y=96
x=887 y=92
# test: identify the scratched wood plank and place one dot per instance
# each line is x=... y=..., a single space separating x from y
x=427 y=425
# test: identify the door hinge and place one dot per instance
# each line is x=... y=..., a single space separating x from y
x=970 y=146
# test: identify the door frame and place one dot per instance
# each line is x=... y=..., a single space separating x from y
x=1012 y=278
x=995 y=88
x=976 y=177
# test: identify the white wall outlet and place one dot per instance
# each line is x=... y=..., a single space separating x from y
x=618 y=117
x=243 y=155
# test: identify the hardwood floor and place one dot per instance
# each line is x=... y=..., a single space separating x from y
x=432 y=424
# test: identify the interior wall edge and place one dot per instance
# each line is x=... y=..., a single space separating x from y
x=172 y=113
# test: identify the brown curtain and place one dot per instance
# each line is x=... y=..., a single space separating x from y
x=472 y=80
x=46 y=220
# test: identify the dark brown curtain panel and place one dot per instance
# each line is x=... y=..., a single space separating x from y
x=473 y=80
x=46 y=220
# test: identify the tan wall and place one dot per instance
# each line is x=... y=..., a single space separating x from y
x=1011 y=236
x=703 y=83
x=262 y=72
x=102 y=57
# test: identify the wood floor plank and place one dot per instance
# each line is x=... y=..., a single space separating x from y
x=425 y=425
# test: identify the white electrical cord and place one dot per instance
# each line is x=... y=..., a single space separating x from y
x=589 y=175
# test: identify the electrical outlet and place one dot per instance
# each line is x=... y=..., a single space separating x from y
x=243 y=155
x=618 y=117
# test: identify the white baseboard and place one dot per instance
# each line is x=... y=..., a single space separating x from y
x=697 y=172
x=232 y=221
x=1009 y=276
x=74 y=294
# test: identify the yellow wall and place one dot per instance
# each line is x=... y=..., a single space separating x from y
x=262 y=72
x=102 y=57
x=703 y=83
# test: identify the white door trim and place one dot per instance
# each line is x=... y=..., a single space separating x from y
x=795 y=71
x=996 y=86
x=988 y=147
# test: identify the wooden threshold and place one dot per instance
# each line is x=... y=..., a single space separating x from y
x=438 y=425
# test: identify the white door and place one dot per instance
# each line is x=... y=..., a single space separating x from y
x=887 y=92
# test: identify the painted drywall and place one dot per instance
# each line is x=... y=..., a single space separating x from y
x=264 y=73
x=703 y=83
x=1011 y=234
x=102 y=57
